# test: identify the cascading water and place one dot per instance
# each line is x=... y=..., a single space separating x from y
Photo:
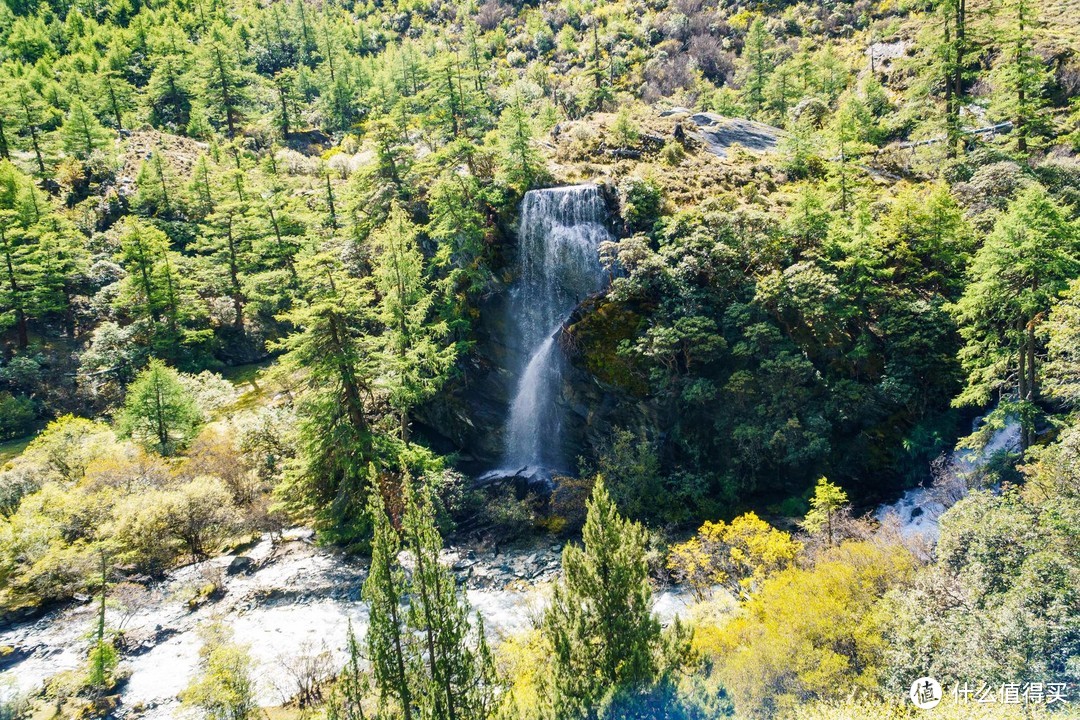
x=558 y=267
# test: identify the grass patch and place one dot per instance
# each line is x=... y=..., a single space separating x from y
x=11 y=449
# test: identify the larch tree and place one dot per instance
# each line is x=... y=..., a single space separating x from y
x=159 y=413
x=168 y=92
x=81 y=132
x=826 y=507
x=755 y=67
x=1020 y=76
x=223 y=80
x=159 y=291
x=1014 y=279
x=416 y=356
x=32 y=114
x=519 y=162
x=18 y=253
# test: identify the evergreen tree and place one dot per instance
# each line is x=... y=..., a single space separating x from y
x=103 y=656
x=755 y=66
x=81 y=132
x=519 y=163
x=288 y=101
x=389 y=642
x=159 y=413
x=1020 y=76
x=353 y=684
x=456 y=681
x=114 y=92
x=1014 y=278
x=227 y=246
x=416 y=358
x=18 y=253
x=332 y=351
x=848 y=134
x=223 y=80
x=31 y=113
x=168 y=94
x=951 y=56
x=159 y=292
x=153 y=197
x=600 y=625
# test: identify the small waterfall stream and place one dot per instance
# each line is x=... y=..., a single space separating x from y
x=558 y=267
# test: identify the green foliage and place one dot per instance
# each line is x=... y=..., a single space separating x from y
x=1062 y=335
x=772 y=319
x=158 y=412
x=603 y=638
x=825 y=507
x=642 y=203
x=1026 y=262
x=519 y=161
x=416 y=359
x=756 y=66
x=190 y=518
x=999 y=602
x=223 y=688
x=630 y=460
x=17 y=415
x=427 y=659
x=81 y=132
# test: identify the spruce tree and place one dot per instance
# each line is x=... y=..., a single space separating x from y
x=347 y=700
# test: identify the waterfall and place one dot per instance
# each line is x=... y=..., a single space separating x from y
x=558 y=267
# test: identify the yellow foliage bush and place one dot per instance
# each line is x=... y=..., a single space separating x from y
x=809 y=633
x=522 y=661
x=738 y=556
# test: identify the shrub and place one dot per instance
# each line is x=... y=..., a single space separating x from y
x=223 y=689
x=809 y=633
x=738 y=556
x=642 y=203
x=673 y=153
x=1000 y=605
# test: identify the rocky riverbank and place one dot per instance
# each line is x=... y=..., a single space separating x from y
x=285 y=598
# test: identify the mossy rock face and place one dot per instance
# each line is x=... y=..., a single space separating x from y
x=593 y=342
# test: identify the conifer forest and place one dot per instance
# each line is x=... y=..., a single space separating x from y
x=539 y=359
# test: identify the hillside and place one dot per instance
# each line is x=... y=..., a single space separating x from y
x=421 y=359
